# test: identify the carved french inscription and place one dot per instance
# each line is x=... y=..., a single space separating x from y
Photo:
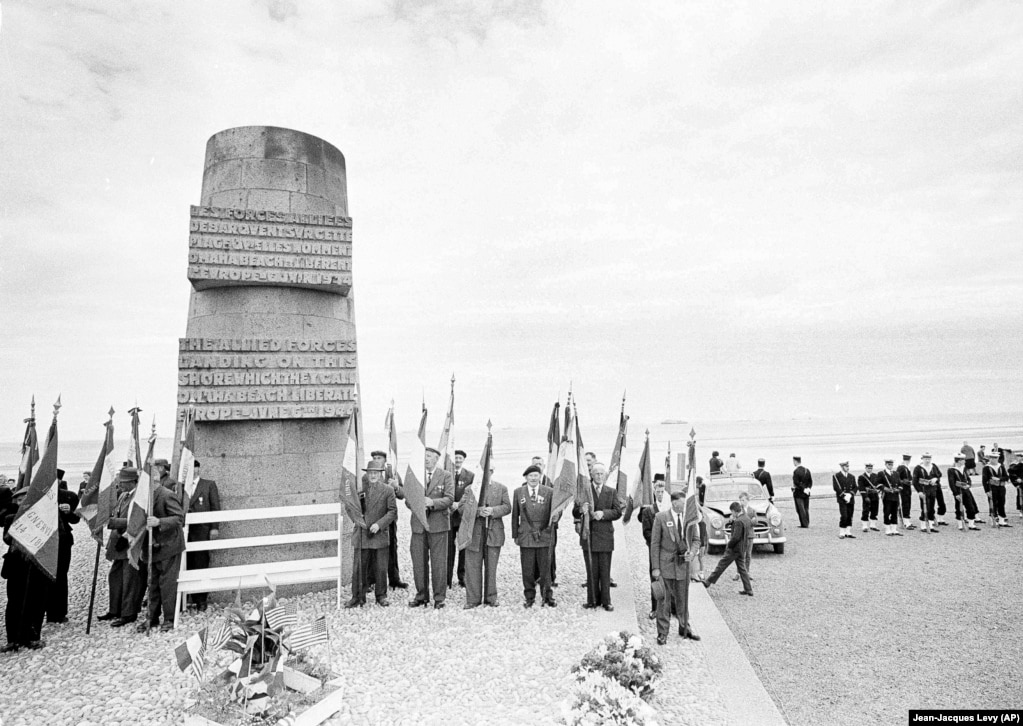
x=264 y=378
x=257 y=247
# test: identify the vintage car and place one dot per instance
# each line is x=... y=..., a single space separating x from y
x=722 y=490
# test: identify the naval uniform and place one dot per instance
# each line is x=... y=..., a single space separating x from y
x=890 y=493
x=801 y=483
x=994 y=479
x=1015 y=472
x=959 y=485
x=844 y=485
x=927 y=481
x=905 y=475
x=531 y=531
x=867 y=484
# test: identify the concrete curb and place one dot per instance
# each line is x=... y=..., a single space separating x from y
x=743 y=696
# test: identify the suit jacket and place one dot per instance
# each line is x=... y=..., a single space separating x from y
x=866 y=483
x=497 y=498
x=65 y=496
x=742 y=533
x=168 y=537
x=529 y=519
x=667 y=546
x=205 y=498
x=399 y=490
x=602 y=531
x=764 y=477
x=381 y=509
x=117 y=543
x=462 y=480
x=441 y=490
x=801 y=481
x=646 y=518
x=843 y=483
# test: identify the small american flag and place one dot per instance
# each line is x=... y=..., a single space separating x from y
x=312 y=634
x=191 y=654
x=217 y=637
x=282 y=616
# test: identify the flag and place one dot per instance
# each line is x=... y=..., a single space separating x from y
x=447 y=438
x=142 y=500
x=191 y=654
x=667 y=471
x=615 y=476
x=553 y=441
x=475 y=496
x=282 y=616
x=584 y=489
x=392 y=438
x=147 y=464
x=98 y=496
x=134 y=455
x=350 y=466
x=29 y=451
x=307 y=635
x=564 y=474
x=415 y=492
x=186 y=459
x=217 y=638
x=34 y=529
x=241 y=666
x=642 y=491
x=691 y=510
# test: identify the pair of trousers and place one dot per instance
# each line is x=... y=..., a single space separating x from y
x=430 y=564
x=676 y=596
x=870 y=502
x=198 y=561
x=163 y=588
x=802 y=510
x=598 y=577
x=906 y=499
x=56 y=601
x=127 y=588
x=533 y=560
x=393 y=576
x=553 y=555
x=27 y=590
x=370 y=561
x=730 y=556
x=998 y=500
x=891 y=510
x=454 y=558
x=481 y=575
x=846 y=510
x=969 y=504
x=940 y=499
x=930 y=498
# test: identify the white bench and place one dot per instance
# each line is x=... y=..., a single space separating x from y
x=256 y=575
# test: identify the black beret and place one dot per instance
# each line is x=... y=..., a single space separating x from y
x=430 y=448
x=381 y=454
x=459 y=452
x=532 y=469
x=60 y=473
x=761 y=462
x=658 y=477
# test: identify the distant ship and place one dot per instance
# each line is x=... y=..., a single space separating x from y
x=673 y=422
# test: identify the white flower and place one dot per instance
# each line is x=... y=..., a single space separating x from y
x=635 y=642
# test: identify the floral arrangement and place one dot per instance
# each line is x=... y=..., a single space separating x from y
x=622 y=658
x=599 y=701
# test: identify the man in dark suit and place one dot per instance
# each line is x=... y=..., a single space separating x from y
x=26 y=584
x=530 y=520
x=735 y=550
x=430 y=549
x=994 y=477
x=905 y=474
x=844 y=485
x=463 y=478
x=67 y=503
x=394 y=481
x=597 y=550
x=927 y=481
x=205 y=498
x=371 y=543
x=483 y=555
x=546 y=481
x=867 y=485
x=166 y=526
x=802 y=481
x=763 y=476
x=127 y=585
x=646 y=519
x=671 y=551
x=715 y=463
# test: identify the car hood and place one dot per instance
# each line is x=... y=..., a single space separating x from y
x=761 y=508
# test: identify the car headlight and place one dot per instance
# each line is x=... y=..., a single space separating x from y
x=716 y=522
x=775 y=519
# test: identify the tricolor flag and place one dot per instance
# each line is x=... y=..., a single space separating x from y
x=563 y=477
x=615 y=476
x=475 y=496
x=351 y=465
x=186 y=460
x=134 y=455
x=447 y=437
x=141 y=502
x=415 y=492
x=307 y=635
x=191 y=654
x=392 y=438
x=553 y=441
x=691 y=510
x=282 y=616
x=98 y=496
x=147 y=464
x=667 y=471
x=642 y=494
x=584 y=487
x=29 y=450
x=34 y=529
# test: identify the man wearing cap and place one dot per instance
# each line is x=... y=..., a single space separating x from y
x=763 y=476
x=994 y=478
x=484 y=549
x=371 y=542
x=430 y=549
x=905 y=475
x=844 y=485
x=394 y=481
x=715 y=463
x=26 y=583
x=531 y=531
x=673 y=545
x=205 y=498
x=127 y=585
x=867 y=485
x=959 y=485
x=463 y=478
x=599 y=543
x=1015 y=472
x=647 y=514
x=166 y=528
x=546 y=481
x=802 y=481
x=888 y=482
x=56 y=597
x=927 y=482
x=161 y=474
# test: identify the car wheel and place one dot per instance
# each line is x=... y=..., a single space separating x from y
x=779 y=549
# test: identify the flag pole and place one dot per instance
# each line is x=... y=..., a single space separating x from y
x=149 y=513
x=99 y=546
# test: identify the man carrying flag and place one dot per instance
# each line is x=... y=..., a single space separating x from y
x=369 y=537
x=482 y=532
x=671 y=550
x=127 y=583
x=429 y=544
x=394 y=481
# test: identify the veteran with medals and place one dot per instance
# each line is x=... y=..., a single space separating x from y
x=531 y=531
x=671 y=551
x=429 y=549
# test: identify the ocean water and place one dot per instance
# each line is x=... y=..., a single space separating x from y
x=821 y=442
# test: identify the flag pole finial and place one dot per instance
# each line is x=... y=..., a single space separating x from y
x=56 y=406
x=110 y=413
x=692 y=433
x=452 y=379
x=32 y=413
x=648 y=433
x=489 y=426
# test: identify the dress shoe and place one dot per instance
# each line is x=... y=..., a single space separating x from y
x=897 y=534
x=109 y=616
x=588 y=606
x=691 y=635
x=10 y=648
x=614 y=584
x=745 y=592
x=493 y=603
x=353 y=603
x=706 y=585
x=609 y=608
x=875 y=528
x=167 y=627
x=121 y=622
x=977 y=529
x=35 y=644
x=400 y=585
x=850 y=536
x=56 y=621
x=418 y=603
x=438 y=605
x=384 y=602
x=652 y=615
x=528 y=603
x=942 y=524
x=550 y=602
x=662 y=640
x=467 y=606
x=554 y=584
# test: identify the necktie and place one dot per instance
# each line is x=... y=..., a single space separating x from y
x=532 y=495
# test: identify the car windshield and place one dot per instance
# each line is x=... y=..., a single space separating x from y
x=729 y=491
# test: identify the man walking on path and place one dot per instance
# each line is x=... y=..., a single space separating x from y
x=735 y=550
x=671 y=552
x=905 y=474
x=751 y=514
x=844 y=485
x=801 y=483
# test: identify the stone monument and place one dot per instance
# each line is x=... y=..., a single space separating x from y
x=268 y=364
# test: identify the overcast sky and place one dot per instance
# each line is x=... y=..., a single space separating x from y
x=733 y=210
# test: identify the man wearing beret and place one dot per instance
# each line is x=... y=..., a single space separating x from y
x=67 y=503
x=530 y=523
x=888 y=482
x=484 y=549
x=463 y=478
x=927 y=481
x=371 y=540
x=844 y=485
x=802 y=481
x=391 y=479
x=867 y=484
x=205 y=498
x=599 y=545
x=671 y=551
x=430 y=549
x=166 y=528
x=127 y=585
x=959 y=485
